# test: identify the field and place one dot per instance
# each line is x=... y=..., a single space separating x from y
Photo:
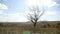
x=45 y=27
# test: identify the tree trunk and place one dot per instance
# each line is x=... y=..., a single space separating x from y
x=34 y=28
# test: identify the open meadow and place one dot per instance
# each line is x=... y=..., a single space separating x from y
x=44 y=27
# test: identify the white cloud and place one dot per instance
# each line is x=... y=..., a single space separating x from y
x=32 y=2
x=3 y=16
x=3 y=6
x=49 y=19
x=50 y=13
x=49 y=16
x=1 y=11
x=47 y=3
x=28 y=12
x=14 y=17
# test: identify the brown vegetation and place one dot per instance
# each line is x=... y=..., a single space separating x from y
x=42 y=27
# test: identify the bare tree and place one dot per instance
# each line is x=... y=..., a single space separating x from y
x=35 y=15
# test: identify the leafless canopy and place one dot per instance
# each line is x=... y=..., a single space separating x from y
x=35 y=15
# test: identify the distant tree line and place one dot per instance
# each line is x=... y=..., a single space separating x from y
x=51 y=26
x=57 y=25
x=7 y=25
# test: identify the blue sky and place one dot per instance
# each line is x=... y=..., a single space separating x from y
x=16 y=10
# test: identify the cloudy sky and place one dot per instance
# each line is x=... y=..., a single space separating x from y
x=16 y=10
